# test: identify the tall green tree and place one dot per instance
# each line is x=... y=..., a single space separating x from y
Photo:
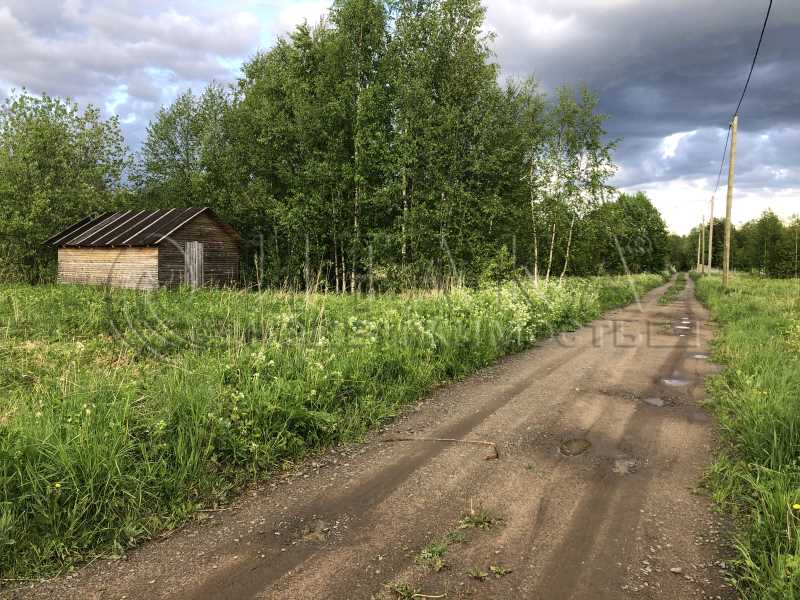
x=182 y=150
x=360 y=45
x=569 y=169
x=58 y=164
x=626 y=234
x=454 y=138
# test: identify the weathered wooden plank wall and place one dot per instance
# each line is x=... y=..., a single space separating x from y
x=220 y=254
x=135 y=268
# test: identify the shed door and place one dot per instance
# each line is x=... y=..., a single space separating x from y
x=194 y=264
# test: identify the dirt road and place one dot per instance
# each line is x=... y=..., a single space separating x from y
x=595 y=495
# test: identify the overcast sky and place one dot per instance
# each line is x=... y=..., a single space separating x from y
x=669 y=74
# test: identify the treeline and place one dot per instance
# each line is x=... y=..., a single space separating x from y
x=767 y=245
x=377 y=149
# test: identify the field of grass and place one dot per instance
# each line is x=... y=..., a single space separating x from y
x=757 y=400
x=123 y=413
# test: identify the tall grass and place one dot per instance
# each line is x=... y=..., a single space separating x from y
x=122 y=413
x=757 y=399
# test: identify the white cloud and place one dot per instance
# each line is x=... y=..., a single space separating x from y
x=686 y=201
x=669 y=145
x=117 y=97
x=525 y=24
x=294 y=14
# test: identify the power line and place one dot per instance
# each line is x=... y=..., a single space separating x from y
x=741 y=98
x=722 y=162
x=755 y=56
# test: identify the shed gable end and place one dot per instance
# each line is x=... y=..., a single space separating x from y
x=220 y=252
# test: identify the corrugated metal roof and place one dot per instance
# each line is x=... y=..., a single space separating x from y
x=129 y=228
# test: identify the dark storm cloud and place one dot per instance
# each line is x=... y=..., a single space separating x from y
x=125 y=57
x=665 y=68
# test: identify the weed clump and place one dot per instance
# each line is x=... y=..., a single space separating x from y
x=479 y=519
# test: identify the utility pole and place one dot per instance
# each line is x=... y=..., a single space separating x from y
x=726 y=263
x=711 y=235
x=703 y=246
x=699 y=243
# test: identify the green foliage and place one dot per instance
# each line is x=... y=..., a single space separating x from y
x=478 y=519
x=403 y=591
x=374 y=150
x=57 y=165
x=181 y=154
x=432 y=556
x=123 y=413
x=758 y=477
x=478 y=573
x=767 y=246
x=627 y=233
x=499 y=571
x=569 y=164
x=499 y=268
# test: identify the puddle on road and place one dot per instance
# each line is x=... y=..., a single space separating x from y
x=682 y=327
x=656 y=401
x=675 y=381
x=700 y=356
x=574 y=447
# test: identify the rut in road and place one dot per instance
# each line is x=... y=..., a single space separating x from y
x=602 y=443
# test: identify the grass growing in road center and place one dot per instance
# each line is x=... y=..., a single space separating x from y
x=674 y=290
x=122 y=413
x=757 y=400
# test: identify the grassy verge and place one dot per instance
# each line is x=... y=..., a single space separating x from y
x=122 y=413
x=757 y=399
x=674 y=290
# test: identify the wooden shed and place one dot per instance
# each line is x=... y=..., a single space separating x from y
x=147 y=249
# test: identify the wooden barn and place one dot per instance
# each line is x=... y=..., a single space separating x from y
x=148 y=249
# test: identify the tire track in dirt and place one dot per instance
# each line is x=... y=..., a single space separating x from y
x=609 y=504
x=473 y=475
x=245 y=580
x=567 y=562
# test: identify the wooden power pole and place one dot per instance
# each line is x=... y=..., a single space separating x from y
x=726 y=262
x=711 y=235
x=703 y=246
x=699 y=243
